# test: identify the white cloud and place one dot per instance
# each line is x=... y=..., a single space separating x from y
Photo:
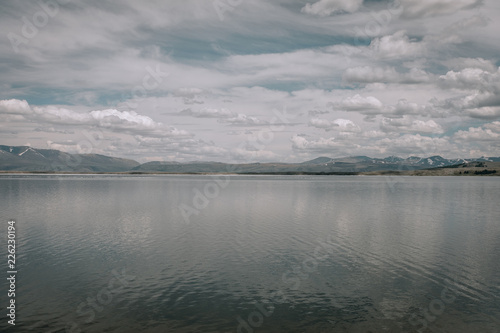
x=321 y=123
x=477 y=105
x=126 y=121
x=423 y=8
x=471 y=79
x=374 y=134
x=396 y=46
x=459 y=64
x=67 y=146
x=190 y=95
x=246 y=156
x=486 y=112
x=209 y=113
x=483 y=92
x=365 y=105
x=404 y=107
x=409 y=125
x=328 y=7
x=14 y=106
x=467 y=24
x=185 y=150
x=367 y=74
x=346 y=125
x=376 y=143
x=416 y=75
x=321 y=144
x=417 y=145
x=316 y=112
x=295 y=66
x=188 y=92
x=494 y=126
x=341 y=125
x=242 y=119
x=477 y=134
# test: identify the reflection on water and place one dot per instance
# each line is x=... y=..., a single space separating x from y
x=266 y=254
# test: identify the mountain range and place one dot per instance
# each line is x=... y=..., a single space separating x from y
x=26 y=159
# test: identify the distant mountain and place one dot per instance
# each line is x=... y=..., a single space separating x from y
x=24 y=158
x=190 y=167
x=320 y=165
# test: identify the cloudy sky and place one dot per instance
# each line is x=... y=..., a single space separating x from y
x=252 y=80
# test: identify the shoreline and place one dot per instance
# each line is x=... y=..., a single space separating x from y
x=413 y=173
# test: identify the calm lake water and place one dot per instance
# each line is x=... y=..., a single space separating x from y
x=253 y=253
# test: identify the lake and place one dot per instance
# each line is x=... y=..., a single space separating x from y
x=189 y=253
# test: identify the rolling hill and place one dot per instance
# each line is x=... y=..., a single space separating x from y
x=24 y=158
x=29 y=159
